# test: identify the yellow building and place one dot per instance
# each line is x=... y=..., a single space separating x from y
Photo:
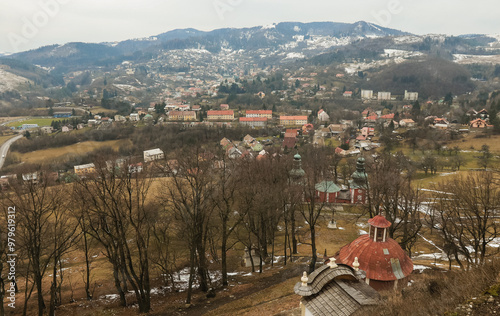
x=214 y=115
x=83 y=170
x=182 y=115
x=293 y=120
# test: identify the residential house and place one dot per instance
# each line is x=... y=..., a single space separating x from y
x=135 y=168
x=440 y=123
x=248 y=140
x=66 y=128
x=323 y=116
x=253 y=121
x=153 y=154
x=478 y=123
x=92 y=122
x=409 y=123
x=337 y=129
x=184 y=107
x=387 y=117
x=293 y=120
x=225 y=142
x=368 y=131
x=366 y=112
x=215 y=115
x=46 y=129
x=483 y=114
x=120 y=118
x=259 y=113
x=224 y=107
x=134 y=117
x=290 y=138
x=84 y=170
x=33 y=177
x=307 y=128
x=196 y=108
x=347 y=94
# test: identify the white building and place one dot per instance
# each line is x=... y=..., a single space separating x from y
x=134 y=117
x=323 y=116
x=153 y=154
x=411 y=96
x=384 y=95
x=367 y=94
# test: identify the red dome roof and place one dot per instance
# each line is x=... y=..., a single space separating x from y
x=382 y=261
x=379 y=221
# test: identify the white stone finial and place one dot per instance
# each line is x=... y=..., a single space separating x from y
x=332 y=263
x=355 y=264
x=304 y=279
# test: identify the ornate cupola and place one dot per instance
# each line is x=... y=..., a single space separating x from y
x=378 y=228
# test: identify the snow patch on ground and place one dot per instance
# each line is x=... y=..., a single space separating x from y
x=420 y=268
x=295 y=55
x=9 y=81
x=432 y=243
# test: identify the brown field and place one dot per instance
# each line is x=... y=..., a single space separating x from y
x=4 y=119
x=44 y=155
x=99 y=109
x=471 y=142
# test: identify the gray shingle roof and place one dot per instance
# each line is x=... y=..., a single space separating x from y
x=335 y=291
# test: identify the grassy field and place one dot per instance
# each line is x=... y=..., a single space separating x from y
x=45 y=155
x=39 y=121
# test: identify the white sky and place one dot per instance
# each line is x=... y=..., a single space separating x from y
x=25 y=24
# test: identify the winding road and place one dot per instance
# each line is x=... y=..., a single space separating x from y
x=5 y=148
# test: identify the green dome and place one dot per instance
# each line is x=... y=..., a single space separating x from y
x=297 y=156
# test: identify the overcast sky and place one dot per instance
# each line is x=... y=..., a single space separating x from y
x=28 y=24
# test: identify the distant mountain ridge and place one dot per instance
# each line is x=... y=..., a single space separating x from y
x=274 y=37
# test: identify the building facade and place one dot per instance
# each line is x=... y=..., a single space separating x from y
x=293 y=120
x=254 y=121
x=153 y=154
x=182 y=116
x=259 y=113
x=215 y=115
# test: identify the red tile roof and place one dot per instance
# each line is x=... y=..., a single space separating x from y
x=387 y=116
x=382 y=261
x=216 y=112
x=293 y=117
x=379 y=222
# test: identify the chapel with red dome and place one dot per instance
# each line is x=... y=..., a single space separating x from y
x=386 y=264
